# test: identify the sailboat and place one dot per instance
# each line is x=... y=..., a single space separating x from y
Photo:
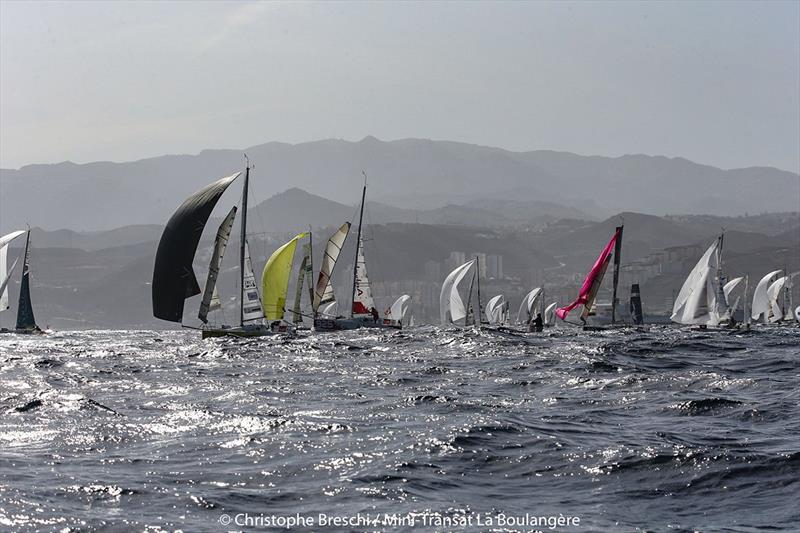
x=761 y=308
x=451 y=307
x=398 y=310
x=701 y=300
x=496 y=310
x=26 y=323
x=174 y=279
x=531 y=304
x=591 y=284
x=550 y=315
x=637 y=313
x=363 y=313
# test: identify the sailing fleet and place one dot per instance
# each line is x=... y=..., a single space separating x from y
x=706 y=299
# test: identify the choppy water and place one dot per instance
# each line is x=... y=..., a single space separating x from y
x=669 y=430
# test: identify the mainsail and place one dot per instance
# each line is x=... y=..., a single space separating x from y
x=173 y=276
x=304 y=272
x=211 y=300
x=332 y=250
x=5 y=274
x=251 y=303
x=362 y=295
x=637 y=314
x=449 y=300
x=761 y=305
x=25 y=318
x=495 y=309
x=592 y=282
x=275 y=279
x=529 y=303
x=698 y=301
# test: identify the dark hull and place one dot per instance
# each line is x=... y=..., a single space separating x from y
x=247 y=331
x=36 y=331
x=345 y=324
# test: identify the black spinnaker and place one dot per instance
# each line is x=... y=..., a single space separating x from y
x=173 y=276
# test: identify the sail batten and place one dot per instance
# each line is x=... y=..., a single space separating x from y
x=174 y=279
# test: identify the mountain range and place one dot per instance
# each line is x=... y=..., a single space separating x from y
x=413 y=179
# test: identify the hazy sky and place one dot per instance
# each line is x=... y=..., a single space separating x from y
x=715 y=82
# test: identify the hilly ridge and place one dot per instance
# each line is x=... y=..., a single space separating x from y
x=413 y=174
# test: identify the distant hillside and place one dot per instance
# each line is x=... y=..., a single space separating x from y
x=412 y=173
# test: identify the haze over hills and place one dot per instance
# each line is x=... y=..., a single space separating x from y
x=412 y=174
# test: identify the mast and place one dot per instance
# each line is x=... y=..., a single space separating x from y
x=243 y=240
x=358 y=243
x=617 y=252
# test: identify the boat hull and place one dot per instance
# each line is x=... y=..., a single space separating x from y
x=345 y=324
x=257 y=330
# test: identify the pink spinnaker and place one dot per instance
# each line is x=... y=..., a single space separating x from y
x=592 y=281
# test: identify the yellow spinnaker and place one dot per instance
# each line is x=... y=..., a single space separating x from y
x=275 y=279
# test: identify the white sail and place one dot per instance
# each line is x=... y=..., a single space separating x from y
x=362 y=297
x=251 y=302
x=449 y=300
x=332 y=250
x=211 y=299
x=495 y=310
x=328 y=295
x=329 y=310
x=5 y=274
x=529 y=303
x=399 y=308
x=698 y=300
x=761 y=306
x=775 y=313
x=733 y=293
x=550 y=314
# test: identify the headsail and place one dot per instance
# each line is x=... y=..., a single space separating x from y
x=697 y=301
x=529 y=303
x=330 y=310
x=495 y=309
x=733 y=293
x=25 y=318
x=592 y=282
x=761 y=305
x=362 y=296
x=173 y=276
x=5 y=274
x=449 y=300
x=332 y=250
x=251 y=303
x=550 y=314
x=210 y=295
x=4 y=283
x=399 y=308
x=275 y=279
x=775 y=313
